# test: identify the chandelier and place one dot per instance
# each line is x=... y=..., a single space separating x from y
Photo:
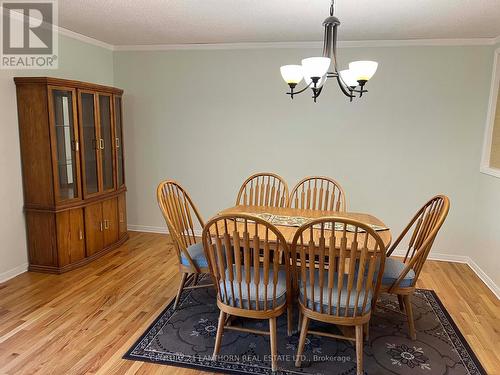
x=315 y=70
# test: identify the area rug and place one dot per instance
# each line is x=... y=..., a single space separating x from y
x=185 y=337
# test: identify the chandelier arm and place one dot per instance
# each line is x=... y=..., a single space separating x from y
x=300 y=91
x=345 y=89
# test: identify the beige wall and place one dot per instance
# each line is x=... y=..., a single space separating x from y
x=211 y=118
x=77 y=60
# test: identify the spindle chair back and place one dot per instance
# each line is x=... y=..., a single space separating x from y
x=263 y=189
x=318 y=193
x=180 y=214
x=243 y=254
x=401 y=276
x=342 y=285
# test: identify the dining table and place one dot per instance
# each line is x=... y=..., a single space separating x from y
x=287 y=226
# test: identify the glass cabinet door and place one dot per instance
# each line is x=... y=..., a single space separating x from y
x=106 y=142
x=66 y=143
x=90 y=143
x=120 y=176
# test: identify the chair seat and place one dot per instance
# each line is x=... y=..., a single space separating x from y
x=393 y=268
x=197 y=255
x=252 y=298
x=316 y=304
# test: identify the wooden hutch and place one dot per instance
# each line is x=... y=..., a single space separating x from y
x=73 y=172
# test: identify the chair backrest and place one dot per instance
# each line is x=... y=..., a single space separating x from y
x=318 y=193
x=178 y=210
x=263 y=189
x=348 y=259
x=424 y=228
x=243 y=254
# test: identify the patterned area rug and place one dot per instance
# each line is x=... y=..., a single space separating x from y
x=186 y=338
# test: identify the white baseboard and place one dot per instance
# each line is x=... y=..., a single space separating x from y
x=485 y=278
x=150 y=229
x=7 y=275
x=462 y=259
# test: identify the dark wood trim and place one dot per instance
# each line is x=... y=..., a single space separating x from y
x=67 y=82
x=72 y=266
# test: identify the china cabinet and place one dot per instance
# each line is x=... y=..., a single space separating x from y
x=73 y=171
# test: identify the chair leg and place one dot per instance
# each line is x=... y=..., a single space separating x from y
x=289 y=319
x=409 y=314
x=302 y=340
x=299 y=322
x=274 y=344
x=359 y=349
x=218 y=337
x=366 y=331
x=179 y=292
x=401 y=302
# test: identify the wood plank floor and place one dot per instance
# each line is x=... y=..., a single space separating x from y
x=84 y=321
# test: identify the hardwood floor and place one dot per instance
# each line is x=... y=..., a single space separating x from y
x=84 y=321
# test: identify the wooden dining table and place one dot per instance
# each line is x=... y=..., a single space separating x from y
x=289 y=231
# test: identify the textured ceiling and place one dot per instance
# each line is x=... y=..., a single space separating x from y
x=129 y=22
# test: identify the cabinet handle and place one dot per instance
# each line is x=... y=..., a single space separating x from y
x=117 y=142
x=101 y=227
x=101 y=144
x=106 y=224
x=81 y=235
x=76 y=146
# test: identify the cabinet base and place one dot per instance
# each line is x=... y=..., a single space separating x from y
x=80 y=263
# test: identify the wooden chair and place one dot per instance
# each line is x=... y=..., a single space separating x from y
x=318 y=193
x=400 y=276
x=342 y=287
x=263 y=189
x=178 y=210
x=242 y=252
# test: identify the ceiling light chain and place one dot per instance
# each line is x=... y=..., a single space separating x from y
x=314 y=70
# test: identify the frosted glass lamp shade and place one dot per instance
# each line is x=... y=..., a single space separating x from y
x=363 y=70
x=315 y=66
x=348 y=77
x=291 y=73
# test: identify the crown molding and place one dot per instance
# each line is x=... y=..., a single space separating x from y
x=83 y=38
x=62 y=31
x=311 y=44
